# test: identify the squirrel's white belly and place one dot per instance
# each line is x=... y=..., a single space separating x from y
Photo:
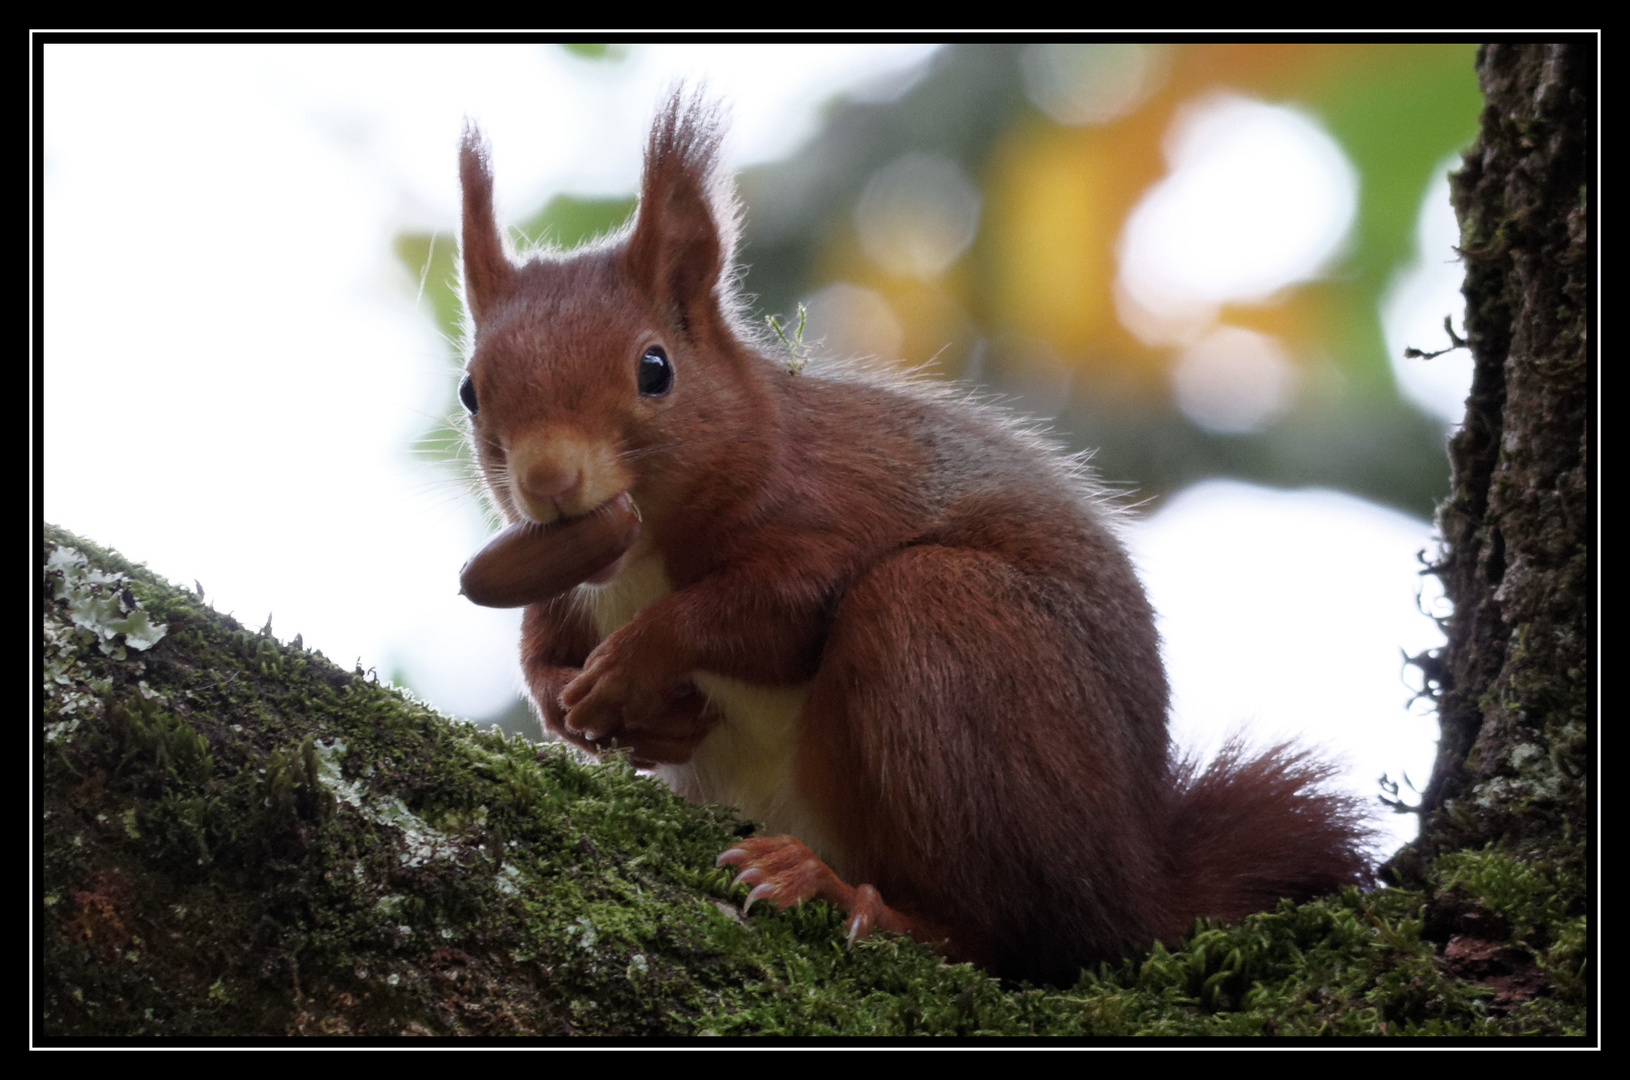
x=748 y=760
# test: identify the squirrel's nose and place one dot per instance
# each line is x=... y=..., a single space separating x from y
x=558 y=474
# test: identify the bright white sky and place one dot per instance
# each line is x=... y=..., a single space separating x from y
x=235 y=364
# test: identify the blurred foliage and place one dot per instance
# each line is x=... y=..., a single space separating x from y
x=1028 y=307
x=597 y=50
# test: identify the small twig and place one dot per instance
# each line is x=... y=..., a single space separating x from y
x=1412 y=353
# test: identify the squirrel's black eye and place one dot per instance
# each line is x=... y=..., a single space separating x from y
x=466 y=394
x=656 y=372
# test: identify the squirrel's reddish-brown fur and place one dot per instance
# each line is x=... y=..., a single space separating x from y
x=872 y=614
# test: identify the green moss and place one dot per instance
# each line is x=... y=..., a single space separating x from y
x=242 y=839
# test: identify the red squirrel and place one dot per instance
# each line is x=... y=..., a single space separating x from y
x=892 y=624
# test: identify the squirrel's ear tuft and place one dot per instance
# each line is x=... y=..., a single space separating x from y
x=685 y=231
x=489 y=277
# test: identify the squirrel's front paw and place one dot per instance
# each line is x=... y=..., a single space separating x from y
x=607 y=697
x=636 y=706
x=672 y=737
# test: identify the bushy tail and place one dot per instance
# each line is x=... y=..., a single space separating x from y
x=1247 y=832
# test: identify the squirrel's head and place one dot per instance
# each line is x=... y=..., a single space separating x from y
x=589 y=369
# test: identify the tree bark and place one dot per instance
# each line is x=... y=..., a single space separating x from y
x=1513 y=679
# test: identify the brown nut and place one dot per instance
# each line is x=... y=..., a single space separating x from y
x=528 y=563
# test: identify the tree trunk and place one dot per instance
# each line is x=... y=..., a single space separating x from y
x=1512 y=681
